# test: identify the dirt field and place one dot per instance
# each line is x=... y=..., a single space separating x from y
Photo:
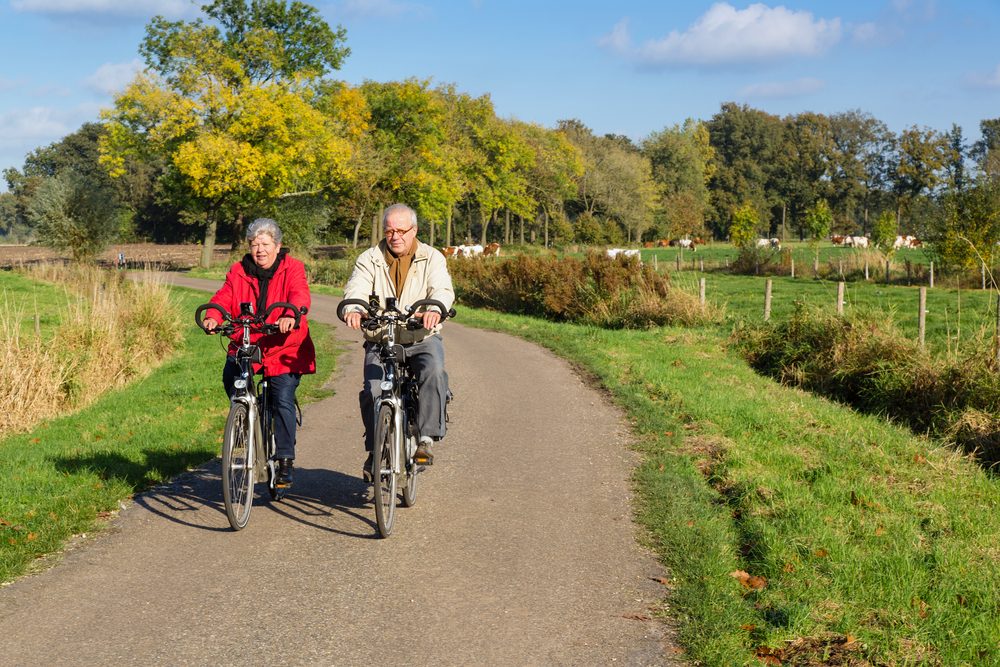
x=137 y=255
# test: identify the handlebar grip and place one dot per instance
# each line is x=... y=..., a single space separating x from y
x=353 y=302
x=445 y=312
x=284 y=304
x=210 y=306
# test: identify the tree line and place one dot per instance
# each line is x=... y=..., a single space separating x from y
x=237 y=115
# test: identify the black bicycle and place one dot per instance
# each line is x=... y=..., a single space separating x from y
x=396 y=434
x=248 y=443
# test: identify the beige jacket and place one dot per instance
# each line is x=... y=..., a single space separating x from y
x=428 y=278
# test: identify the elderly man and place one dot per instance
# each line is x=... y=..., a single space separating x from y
x=400 y=266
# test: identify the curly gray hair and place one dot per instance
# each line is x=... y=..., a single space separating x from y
x=264 y=226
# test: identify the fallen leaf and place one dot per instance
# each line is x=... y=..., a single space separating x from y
x=879 y=531
x=919 y=458
x=749 y=627
x=636 y=617
x=32 y=537
x=669 y=434
x=788 y=568
x=748 y=580
x=854 y=498
x=821 y=553
x=662 y=580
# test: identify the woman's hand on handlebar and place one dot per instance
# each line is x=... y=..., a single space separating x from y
x=286 y=324
x=210 y=324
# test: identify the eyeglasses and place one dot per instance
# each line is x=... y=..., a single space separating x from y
x=389 y=233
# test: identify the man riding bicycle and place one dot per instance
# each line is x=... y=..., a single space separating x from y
x=403 y=268
x=265 y=275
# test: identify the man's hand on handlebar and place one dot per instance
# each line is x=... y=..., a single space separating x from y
x=353 y=319
x=430 y=318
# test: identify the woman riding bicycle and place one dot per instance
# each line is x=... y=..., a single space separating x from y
x=400 y=266
x=265 y=275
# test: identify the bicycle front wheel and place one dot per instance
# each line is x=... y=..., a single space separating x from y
x=237 y=468
x=383 y=471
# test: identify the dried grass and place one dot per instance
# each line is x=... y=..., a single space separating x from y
x=111 y=332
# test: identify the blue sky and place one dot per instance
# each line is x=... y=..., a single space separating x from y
x=628 y=67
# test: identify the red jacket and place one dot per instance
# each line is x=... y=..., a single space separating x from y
x=283 y=353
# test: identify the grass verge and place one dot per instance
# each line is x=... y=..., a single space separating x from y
x=63 y=477
x=796 y=531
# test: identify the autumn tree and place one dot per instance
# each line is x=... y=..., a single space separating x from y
x=230 y=107
x=682 y=161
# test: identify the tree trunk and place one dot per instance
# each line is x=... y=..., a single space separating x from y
x=375 y=231
x=486 y=226
x=237 y=231
x=521 y=225
x=357 y=229
x=447 y=232
x=506 y=227
x=431 y=233
x=208 y=246
x=545 y=217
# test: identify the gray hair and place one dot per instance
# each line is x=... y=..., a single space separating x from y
x=399 y=207
x=264 y=226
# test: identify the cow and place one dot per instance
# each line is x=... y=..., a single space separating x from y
x=621 y=252
x=663 y=243
x=470 y=250
x=906 y=242
x=687 y=244
x=492 y=250
x=856 y=242
x=838 y=239
x=774 y=244
x=450 y=251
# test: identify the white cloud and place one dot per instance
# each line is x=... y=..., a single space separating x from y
x=782 y=89
x=725 y=35
x=864 y=32
x=111 y=78
x=984 y=80
x=172 y=8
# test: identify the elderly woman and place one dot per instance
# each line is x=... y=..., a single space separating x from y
x=265 y=275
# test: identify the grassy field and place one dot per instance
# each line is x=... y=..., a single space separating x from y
x=63 y=477
x=794 y=529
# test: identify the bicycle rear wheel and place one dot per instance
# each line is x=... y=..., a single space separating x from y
x=383 y=474
x=410 y=480
x=237 y=469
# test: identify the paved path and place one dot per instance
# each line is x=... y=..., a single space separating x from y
x=531 y=560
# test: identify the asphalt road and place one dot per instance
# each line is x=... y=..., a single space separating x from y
x=520 y=550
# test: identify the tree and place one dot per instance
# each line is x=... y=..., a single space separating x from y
x=922 y=157
x=70 y=214
x=682 y=160
x=969 y=231
x=802 y=172
x=552 y=179
x=986 y=151
x=861 y=166
x=817 y=222
x=743 y=228
x=231 y=112
x=884 y=232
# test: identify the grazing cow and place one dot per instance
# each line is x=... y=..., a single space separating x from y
x=856 y=242
x=906 y=242
x=774 y=244
x=470 y=250
x=687 y=244
x=492 y=250
x=450 y=251
x=838 y=239
x=663 y=243
x=621 y=252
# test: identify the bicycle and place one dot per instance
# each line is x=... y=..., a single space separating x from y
x=248 y=442
x=396 y=435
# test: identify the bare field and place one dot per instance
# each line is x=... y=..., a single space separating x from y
x=137 y=255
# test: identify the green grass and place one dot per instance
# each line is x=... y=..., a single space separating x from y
x=59 y=479
x=29 y=298
x=953 y=316
x=873 y=542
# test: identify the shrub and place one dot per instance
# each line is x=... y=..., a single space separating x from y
x=598 y=290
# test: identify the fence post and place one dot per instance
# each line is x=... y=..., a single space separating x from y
x=654 y=263
x=840 y=268
x=701 y=292
x=932 y=275
x=38 y=327
x=767 y=300
x=922 y=327
x=701 y=265
x=866 y=268
x=793 y=267
x=888 y=265
x=678 y=260
x=840 y=298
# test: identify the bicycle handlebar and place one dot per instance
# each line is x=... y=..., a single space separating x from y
x=256 y=322
x=373 y=311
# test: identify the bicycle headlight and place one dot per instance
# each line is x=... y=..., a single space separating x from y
x=386 y=385
x=240 y=383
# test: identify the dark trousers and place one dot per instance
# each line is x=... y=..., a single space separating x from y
x=426 y=360
x=281 y=392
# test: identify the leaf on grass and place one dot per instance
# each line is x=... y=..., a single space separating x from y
x=32 y=537
x=879 y=531
x=749 y=627
x=821 y=553
x=788 y=568
x=854 y=498
x=919 y=458
x=921 y=607
x=669 y=434
x=748 y=580
x=961 y=599
x=768 y=655
x=661 y=580
x=4 y=522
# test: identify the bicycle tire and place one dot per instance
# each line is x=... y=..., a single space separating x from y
x=383 y=474
x=409 y=480
x=237 y=468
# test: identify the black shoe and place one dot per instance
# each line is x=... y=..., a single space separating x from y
x=367 y=472
x=423 y=456
x=283 y=479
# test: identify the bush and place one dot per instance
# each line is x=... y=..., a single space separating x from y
x=612 y=293
x=864 y=361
